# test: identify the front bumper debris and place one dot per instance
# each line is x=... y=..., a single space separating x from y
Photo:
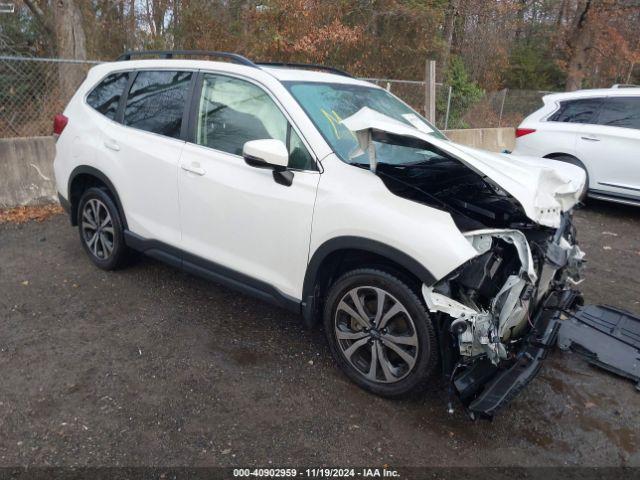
x=485 y=388
x=607 y=336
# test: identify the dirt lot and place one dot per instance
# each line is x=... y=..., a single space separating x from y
x=150 y=366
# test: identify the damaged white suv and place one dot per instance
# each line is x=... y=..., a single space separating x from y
x=330 y=197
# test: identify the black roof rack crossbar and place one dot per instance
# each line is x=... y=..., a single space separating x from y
x=306 y=66
x=198 y=53
x=230 y=56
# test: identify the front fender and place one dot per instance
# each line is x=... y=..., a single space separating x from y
x=354 y=202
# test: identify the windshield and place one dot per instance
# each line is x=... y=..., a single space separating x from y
x=327 y=104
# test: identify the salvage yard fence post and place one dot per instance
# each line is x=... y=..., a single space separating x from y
x=430 y=91
x=446 y=115
x=413 y=92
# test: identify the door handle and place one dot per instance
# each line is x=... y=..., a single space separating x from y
x=112 y=145
x=194 y=168
x=591 y=139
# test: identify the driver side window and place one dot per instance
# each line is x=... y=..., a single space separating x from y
x=233 y=112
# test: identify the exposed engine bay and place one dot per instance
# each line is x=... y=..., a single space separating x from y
x=487 y=306
x=474 y=202
x=492 y=298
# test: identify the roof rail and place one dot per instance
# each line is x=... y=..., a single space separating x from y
x=306 y=66
x=624 y=85
x=196 y=53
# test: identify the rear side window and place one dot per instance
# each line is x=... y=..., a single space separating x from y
x=577 y=111
x=156 y=102
x=105 y=97
x=621 y=112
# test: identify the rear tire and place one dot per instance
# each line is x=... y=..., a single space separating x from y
x=389 y=354
x=101 y=229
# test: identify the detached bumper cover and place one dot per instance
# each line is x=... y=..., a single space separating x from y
x=607 y=336
x=497 y=386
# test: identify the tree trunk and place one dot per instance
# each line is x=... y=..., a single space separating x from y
x=520 y=24
x=131 y=30
x=175 y=20
x=579 y=44
x=70 y=44
x=447 y=31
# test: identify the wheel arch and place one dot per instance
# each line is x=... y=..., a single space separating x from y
x=557 y=155
x=340 y=254
x=83 y=177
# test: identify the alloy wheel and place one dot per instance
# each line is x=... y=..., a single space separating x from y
x=97 y=229
x=376 y=334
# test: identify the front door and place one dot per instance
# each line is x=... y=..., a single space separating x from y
x=236 y=215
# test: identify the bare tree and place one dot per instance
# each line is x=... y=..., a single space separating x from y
x=62 y=20
x=447 y=31
x=580 y=40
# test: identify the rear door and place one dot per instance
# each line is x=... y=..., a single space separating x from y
x=565 y=125
x=611 y=146
x=147 y=146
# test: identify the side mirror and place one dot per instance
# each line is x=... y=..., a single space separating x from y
x=268 y=153
x=272 y=154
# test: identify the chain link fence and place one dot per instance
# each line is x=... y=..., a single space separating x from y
x=413 y=92
x=33 y=90
x=504 y=108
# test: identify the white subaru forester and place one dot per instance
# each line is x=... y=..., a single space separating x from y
x=328 y=196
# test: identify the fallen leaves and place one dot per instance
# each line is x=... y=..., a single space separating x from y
x=38 y=213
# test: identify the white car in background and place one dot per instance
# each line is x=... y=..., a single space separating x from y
x=598 y=130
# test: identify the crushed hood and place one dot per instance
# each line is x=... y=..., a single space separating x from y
x=545 y=188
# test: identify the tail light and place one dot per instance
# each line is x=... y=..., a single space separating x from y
x=520 y=132
x=59 y=122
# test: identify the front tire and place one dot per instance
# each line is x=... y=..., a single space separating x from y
x=101 y=229
x=379 y=333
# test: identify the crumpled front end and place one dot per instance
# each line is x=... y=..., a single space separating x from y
x=544 y=188
x=497 y=312
x=489 y=306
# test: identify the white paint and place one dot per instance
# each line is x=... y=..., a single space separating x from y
x=274 y=152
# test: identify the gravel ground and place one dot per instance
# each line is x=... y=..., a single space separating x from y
x=151 y=366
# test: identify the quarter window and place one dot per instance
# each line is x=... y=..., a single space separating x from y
x=156 y=102
x=621 y=112
x=106 y=96
x=233 y=112
x=577 y=111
